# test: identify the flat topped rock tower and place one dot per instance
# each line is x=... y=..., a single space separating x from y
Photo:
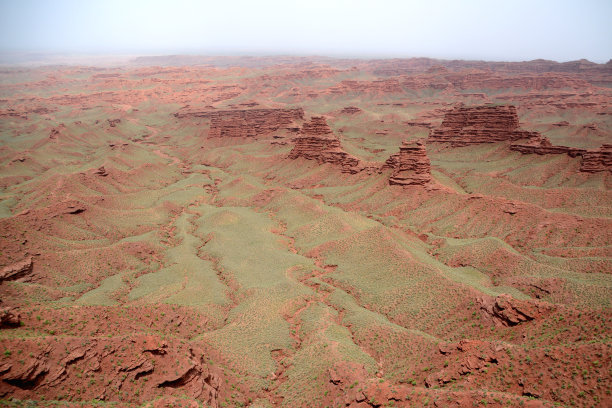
x=463 y=126
x=411 y=165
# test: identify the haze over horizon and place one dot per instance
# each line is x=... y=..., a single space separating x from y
x=474 y=29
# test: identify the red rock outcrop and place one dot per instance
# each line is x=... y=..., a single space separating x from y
x=245 y=122
x=17 y=270
x=101 y=171
x=483 y=362
x=113 y=122
x=411 y=165
x=317 y=142
x=504 y=310
x=538 y=144
x=597 y=160
x=141 y=366
x=490 y=80
x=463 y=126
x=9 y=317
x=380 y=86
x=57 y=131
x=350 y=110
x=593 y=161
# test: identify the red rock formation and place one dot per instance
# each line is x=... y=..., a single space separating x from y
x=344 y=375
x=481 y=361
x=437 y=69
x=149 y=366
x=318 y=142
x=593 y=161
x=381 y=86
x=539 y=144
x=411 y=165
x=504 y=310
x=350 y=110
x=463 y=126
x=245 y=122
x=414 y=123
x=17 y=270
x=101 y=171
x=9 y=317
x=597 y=160
x=113 y=122
x=490 y=80
x=57 y=131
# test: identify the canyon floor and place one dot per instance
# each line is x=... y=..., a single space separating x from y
x=306 y=232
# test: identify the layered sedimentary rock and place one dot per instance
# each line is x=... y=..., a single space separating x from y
x=381 y=86
x=350 y=110
x=479 y=124
x=593 y=161
x=597 y=160
x=17 y=270
x=317 y=142
x=538 y=144
x=504 y=310
x=411 y=165
x=245 y=122
x=489 y=80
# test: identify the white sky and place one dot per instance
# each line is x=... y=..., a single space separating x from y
x=512 y=30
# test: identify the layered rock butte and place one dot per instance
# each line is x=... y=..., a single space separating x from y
x=411 y=165
x=464 y=125
x=317 y=142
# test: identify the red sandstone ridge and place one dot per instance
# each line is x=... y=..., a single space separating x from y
x=463 y=126
x=597 y=160
x=593 y=161
x=539 y=144
x=318 y=142
x=411 y=165
x=245 y=122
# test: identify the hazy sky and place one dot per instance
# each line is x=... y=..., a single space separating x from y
x=561 y=30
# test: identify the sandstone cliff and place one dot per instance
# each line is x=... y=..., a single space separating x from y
x=597 y=160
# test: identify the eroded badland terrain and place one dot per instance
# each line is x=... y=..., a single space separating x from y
x=306 y=233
